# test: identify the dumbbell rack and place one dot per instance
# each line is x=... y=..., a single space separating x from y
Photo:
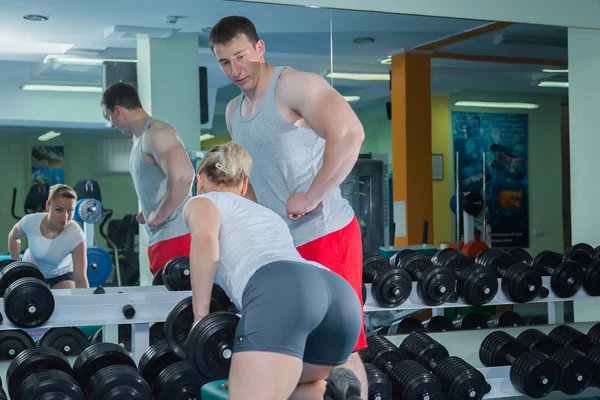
x=465 y=344
x=81 y=307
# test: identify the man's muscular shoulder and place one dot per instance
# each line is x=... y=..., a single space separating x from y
x=159 y=135
x=293 y=84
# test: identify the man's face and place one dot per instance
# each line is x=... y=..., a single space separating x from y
x=240 y=60
x=114 y=117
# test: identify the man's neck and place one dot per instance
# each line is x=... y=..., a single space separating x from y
x=264 y=80
x=138 y=122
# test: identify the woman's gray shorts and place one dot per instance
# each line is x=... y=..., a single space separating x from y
x=301 y=310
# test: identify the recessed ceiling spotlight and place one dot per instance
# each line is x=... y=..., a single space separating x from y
x=207 y=29
x=35 y=17
x=363 y=40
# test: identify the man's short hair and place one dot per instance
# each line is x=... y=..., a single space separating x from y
x=229 y=27
x=121 y=94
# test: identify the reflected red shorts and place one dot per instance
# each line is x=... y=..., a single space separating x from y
x=160 y=253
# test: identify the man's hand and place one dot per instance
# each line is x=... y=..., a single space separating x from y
x=299 y=204
x=140 y=218
x=154 y=220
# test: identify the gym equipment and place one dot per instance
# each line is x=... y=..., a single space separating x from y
x=28 y=301
x=35 y=200
x=591 y=265
x=470 y=321
x=33 y=361
x=178 y=381
x=99 y=265
x=520 y=282
x=439 y=323
x=476 y=284
x=13 y=342
x=70 y=341
x=536 y=321
x=121 y=238
x=567 y=336
x=390 y=286
x=210 y=344
x=505 y=319
x=157 y=280
x=155 y=359
x=117 y=381
x=124 y=336
x=380 y=387
x=593 y=334
x=405 y=325
x=87 y=189
x=157 y=332
x=520 y=255
x=566 y=277
x=435 y=285
x=176 y=274
x=409 y=379
x=530 y=373
x=50 y=384
x=88 y=210
x=575 y=370
x=459 y=379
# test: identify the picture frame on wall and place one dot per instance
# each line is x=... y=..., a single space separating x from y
x=437 y=167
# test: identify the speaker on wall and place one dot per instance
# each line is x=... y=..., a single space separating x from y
x=118 y=72
x=388 y=107
x=204 y=117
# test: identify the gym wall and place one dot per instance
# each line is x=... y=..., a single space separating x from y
x=545 y=173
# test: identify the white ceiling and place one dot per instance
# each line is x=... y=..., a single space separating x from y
x=296 y=36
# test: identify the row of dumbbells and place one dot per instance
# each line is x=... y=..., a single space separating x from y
x=449 y=274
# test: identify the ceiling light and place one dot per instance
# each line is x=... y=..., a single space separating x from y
x=493 y=104
x=553 y=84
x=359 y=77
x=206 y=136
x=387 y=60
x=48 y=135
x=351 y=99
x=207 y=29
x=60 y=59
x=555 y=71
x=363 y=40
x=313 y=6
x=35 y=17
x=33 y=47
x=63 y=88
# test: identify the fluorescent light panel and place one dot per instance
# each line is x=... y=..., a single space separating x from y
x=33 y=47
x=351 y=99
x=359 y=77
x=494 y=104
x=81 y=60
x=553 y=84
x=206 y=136
x=48 y=135
x=63 y=88
x=555 y=71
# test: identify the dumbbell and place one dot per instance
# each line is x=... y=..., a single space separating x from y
x=586 y=345
x=13 y=342
x=178 y=381
x=530 y=373
x=459 y=379
x=409 y=379
x=26 y=379
x=405 y=325
x=439 y=323
x=575 y=370
x=520 y=255
x=588 y=259
x=476 y=285
x=390 y=286
x=536 y=320
x=106 y=370
x=470 y=321
x=380 y=387
x=520 y=282
x=435 y=285
x=70 y=341
x=566 y=277
x=176 y=274
x=28 y=301
x=505 y=319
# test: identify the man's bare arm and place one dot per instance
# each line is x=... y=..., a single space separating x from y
x=170 y=155
x=332 y=118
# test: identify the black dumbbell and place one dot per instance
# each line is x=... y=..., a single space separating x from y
x=435 y=285
x=566 y=277
x=409 y=379
x=470 y=321
x=157 y=279
x=520 y=254
x=459 y=379
x=575 y=370
x=520 y=282
x=390 y=286
x=28 y=301
x=405 y=325
x=32 y=362
x=13 y=342
x=530 y=373
x=176 y=274
x=586 y=345
x=155 y=359
x=380 y=387
x=107 y=369
x=70 y=341
x=178 y=381
x=590 y=263
x=594 y=334
x=439 y=323
x=475 y=284
x=157 y=332
x=536 y=320
x=505 y=319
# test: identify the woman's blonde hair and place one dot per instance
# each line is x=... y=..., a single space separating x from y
x=60 y=190
x=227 y=164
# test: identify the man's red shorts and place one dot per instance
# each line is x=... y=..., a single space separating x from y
x=160 y=253
x=341 y=252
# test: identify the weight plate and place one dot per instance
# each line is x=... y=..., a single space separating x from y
x=155 y=359
x=497 y=347
x=219 y=294
x=546 y=260
x=178 y=382
x=88 y=210
x=18 y=270
x=402 y=256
x=96 y=357
x=583 y=247
x=406 y=325
x=520 y=255
x=440 y=323
x=422 y=348
x=568 y=336
x=4 y=263
x=176 y=274
x=157 y=280
x=13 y=342
x=210 y=344
x=506 y=319
x=473 y=203
x=51 y=384
x=436 y=285
x=521 y=283
x=567 y=279
x=591 y=279
x=363 y=294
x=460 y=380
x=476 y=284
x=534 y=375
x=70 y=341
x=470 y=321
x=28 y=302
x=33 y=361
x=576 y=370
x=412 y=381
x=118 y=382
x=391 y=287
x=100 y=266
x=157 y=332
x=380 y=387
x=371 y=265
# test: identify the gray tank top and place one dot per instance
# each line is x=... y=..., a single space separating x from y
x=286 y=159
x=150 y=185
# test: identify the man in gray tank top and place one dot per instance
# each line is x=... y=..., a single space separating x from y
x=304 y=139
x=161 y=170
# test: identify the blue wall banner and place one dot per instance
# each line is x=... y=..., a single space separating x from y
x=503 y=138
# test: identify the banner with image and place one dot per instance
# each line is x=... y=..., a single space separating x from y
x=503 y=138
x=47 y=165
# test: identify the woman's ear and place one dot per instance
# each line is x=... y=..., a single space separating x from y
x=200 y=184
x=244 y=188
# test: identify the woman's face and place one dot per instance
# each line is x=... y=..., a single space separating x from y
x=60 y=211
